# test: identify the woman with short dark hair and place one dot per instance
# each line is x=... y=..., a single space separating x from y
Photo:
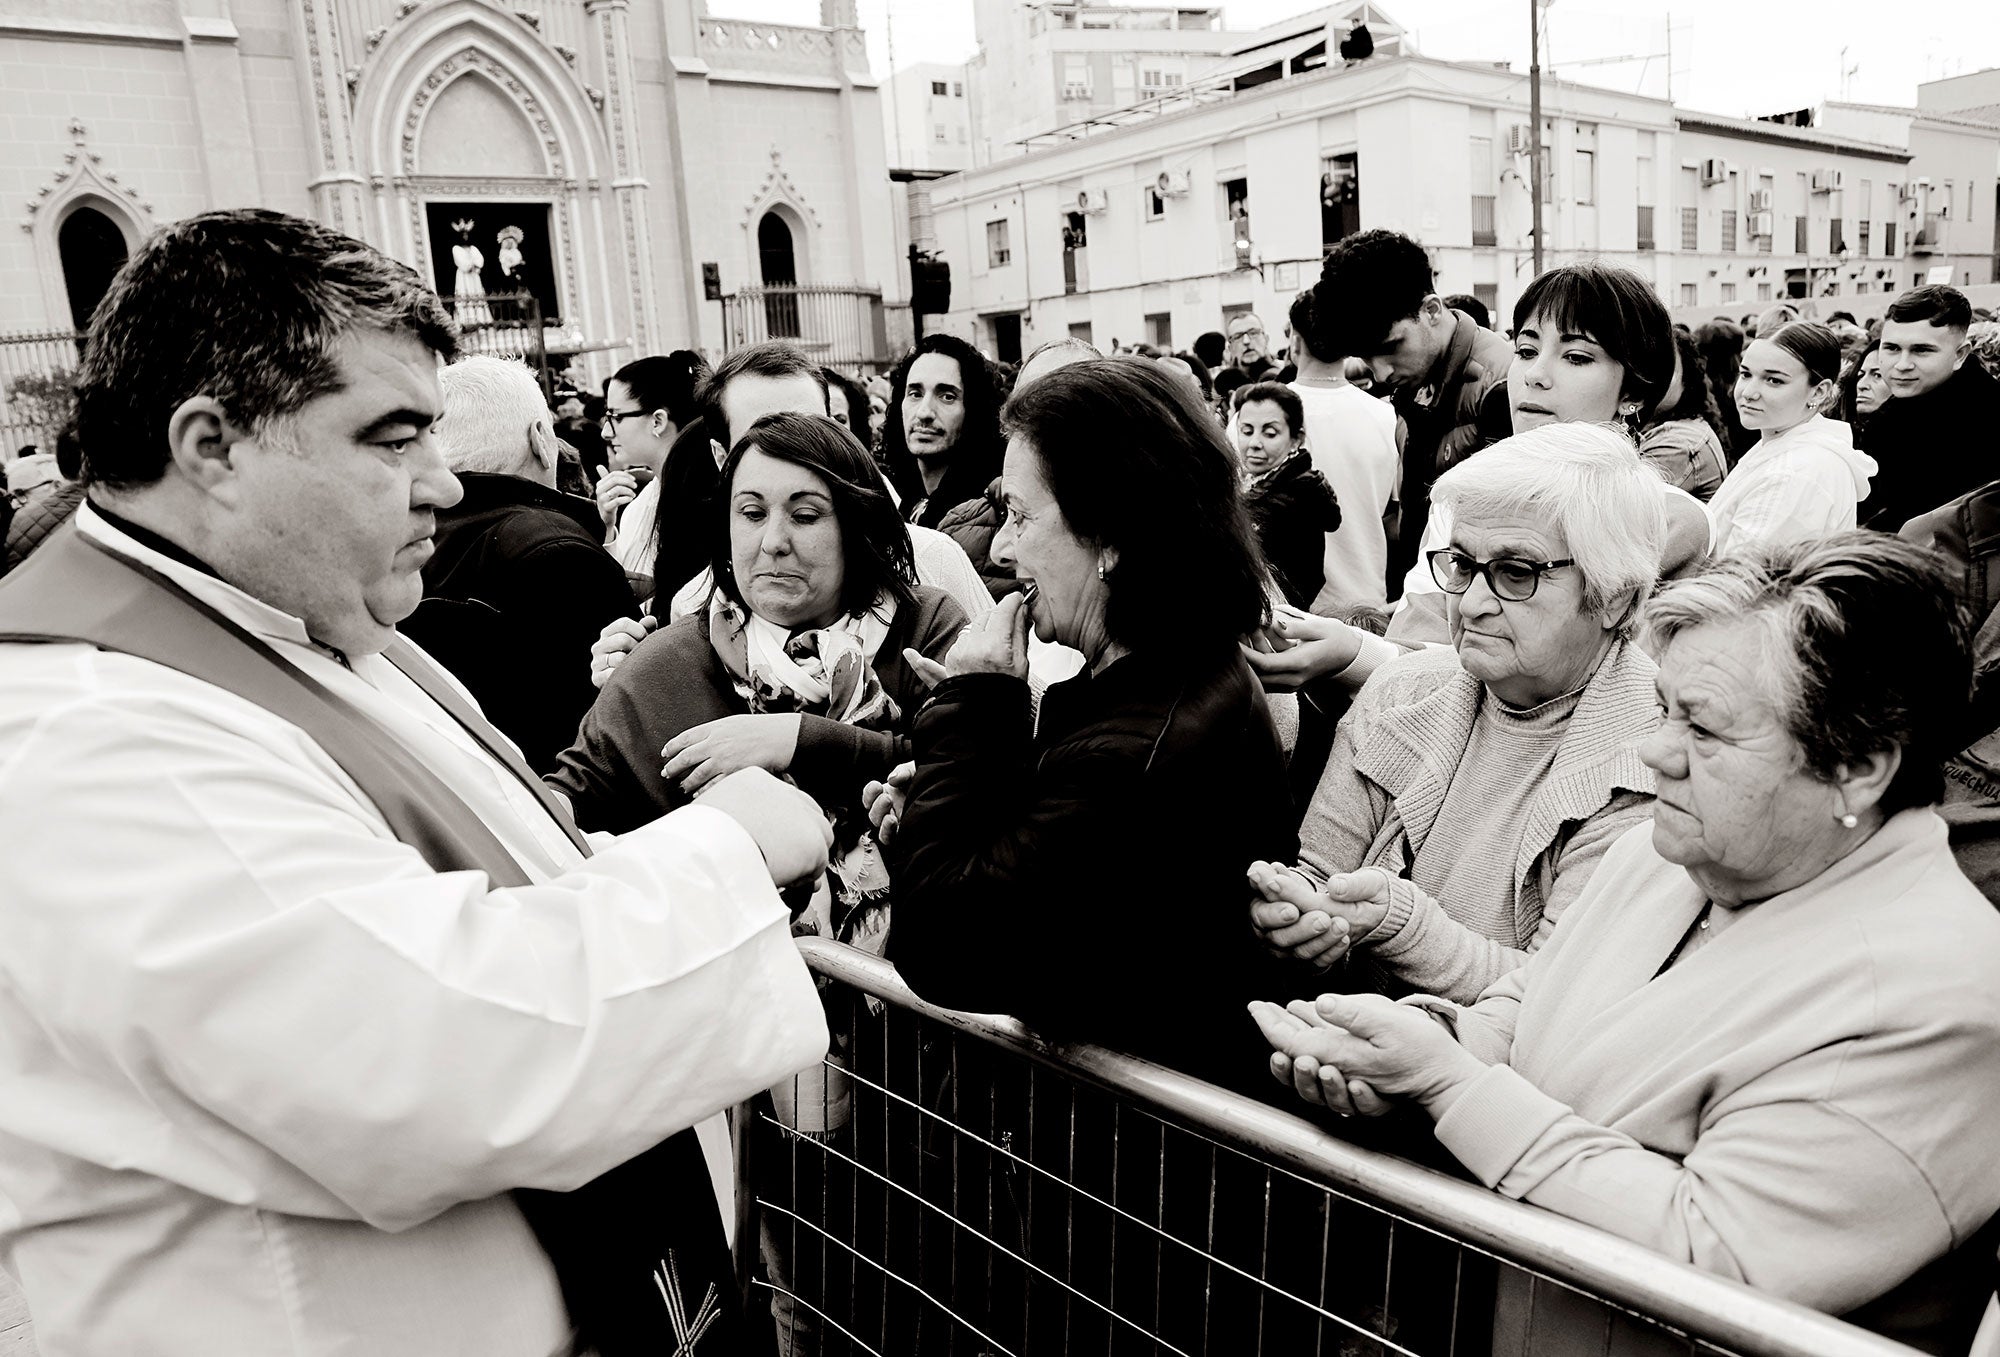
x=1766 y=1038
x=1804 y=477
x=1073 y=872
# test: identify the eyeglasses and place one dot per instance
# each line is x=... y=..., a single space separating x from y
x=613 y=417
x=1511 y=581
x=1256 y=330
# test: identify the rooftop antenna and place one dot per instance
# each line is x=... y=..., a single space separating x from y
x=1847 y=74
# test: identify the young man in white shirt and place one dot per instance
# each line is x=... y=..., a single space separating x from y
x=1351 y=436
x=271 y=1079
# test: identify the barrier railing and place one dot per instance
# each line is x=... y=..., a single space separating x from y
x=950 y=1183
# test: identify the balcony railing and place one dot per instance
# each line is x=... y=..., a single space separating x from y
x=839 y=325
x=1928 y=238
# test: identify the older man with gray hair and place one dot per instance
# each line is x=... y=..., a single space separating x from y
x=520 y=584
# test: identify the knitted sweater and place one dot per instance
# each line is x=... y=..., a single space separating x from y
x=1393 y=761
x=1806 y=1104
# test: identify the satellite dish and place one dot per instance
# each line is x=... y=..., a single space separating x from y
x=1163 y=183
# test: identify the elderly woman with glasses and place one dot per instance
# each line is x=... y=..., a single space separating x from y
x=1766 y=1039
x=1472 y=789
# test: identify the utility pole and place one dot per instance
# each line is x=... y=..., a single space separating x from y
x=1535 y=126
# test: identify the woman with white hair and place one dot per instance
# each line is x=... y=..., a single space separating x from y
x=1472 y=789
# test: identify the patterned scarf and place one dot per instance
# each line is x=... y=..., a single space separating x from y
x=828 y=671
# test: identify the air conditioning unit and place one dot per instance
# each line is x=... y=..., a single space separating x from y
x=1760 y=201
x=1092 y=201
x=1518 y=141
x=1714 y=171
x=1829 y=180
x=1760 y=224
x=1172 y=183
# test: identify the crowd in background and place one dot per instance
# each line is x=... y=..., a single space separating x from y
x=1568 y=748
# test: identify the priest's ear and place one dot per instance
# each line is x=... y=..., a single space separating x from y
x=201 y=441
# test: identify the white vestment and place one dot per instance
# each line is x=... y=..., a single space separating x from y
x=266 y=1078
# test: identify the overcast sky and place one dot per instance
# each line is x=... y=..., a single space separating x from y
x=1729 y=56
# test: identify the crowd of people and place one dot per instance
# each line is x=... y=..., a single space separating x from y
x=1571 y=754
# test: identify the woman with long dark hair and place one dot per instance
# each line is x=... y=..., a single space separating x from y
x=1683 y=440
x=1721 y=344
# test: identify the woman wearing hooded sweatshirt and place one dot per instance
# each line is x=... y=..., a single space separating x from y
x=1803 y=478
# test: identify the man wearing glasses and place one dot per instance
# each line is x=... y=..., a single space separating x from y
x=1249 y=355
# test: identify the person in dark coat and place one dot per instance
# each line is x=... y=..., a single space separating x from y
x=1932 y=440
x=519 y=584
x=1080 y=872
x=1291 y=506
x=1015 y=840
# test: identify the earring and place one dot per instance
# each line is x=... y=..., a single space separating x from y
x=1848 y=821
x=1100 y=570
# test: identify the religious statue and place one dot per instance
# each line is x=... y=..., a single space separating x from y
x=510 y=238
x=468 y=291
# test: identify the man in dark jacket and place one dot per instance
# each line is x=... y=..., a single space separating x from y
x=519 y=585
x=1935 y=437
x=941 y=447
x=1376 y=300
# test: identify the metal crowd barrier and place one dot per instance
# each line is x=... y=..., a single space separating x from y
x=950 y=1183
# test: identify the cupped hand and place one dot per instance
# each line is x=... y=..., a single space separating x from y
x=701 y=754
x=885 y=799
x=1320 y=1084
x=1393 y=1048
x=1317 y=926
x=615 y=642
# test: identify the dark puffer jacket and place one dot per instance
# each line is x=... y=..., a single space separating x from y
x=1293 y=509
x=40 y=516
x=966 y=507
x=1086 y=875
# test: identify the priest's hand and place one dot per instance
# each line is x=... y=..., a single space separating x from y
x=790 y=829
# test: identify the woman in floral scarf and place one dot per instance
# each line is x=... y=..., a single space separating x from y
x=796 y=666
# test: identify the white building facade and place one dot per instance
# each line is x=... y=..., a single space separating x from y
x=621 y=146
x=1161 y=228
x=927 y=118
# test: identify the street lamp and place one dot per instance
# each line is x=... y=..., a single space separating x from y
x=1535 y=130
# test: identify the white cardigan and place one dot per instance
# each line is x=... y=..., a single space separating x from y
x=1808 y=1103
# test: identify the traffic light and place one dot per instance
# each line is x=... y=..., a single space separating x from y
x=930 y=283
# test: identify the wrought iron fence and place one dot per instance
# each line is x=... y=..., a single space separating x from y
x=503 y=325
x=949 y=1183
x=37 y=387
x=841 y=326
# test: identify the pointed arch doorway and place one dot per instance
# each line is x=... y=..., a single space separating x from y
x=777 y=265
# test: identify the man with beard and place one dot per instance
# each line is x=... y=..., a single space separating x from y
x=941 y=447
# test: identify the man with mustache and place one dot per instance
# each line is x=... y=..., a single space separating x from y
x=941 y=447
